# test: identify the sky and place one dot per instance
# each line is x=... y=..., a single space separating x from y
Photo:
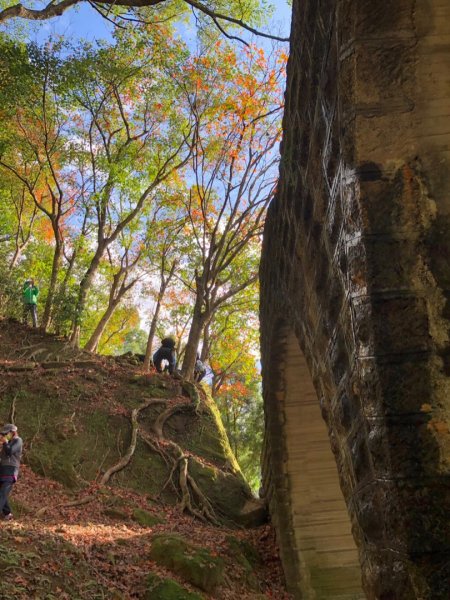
x=84 y=22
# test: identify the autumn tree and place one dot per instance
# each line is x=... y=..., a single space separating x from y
x=34 y=148
x=236 y=104
x=131 y=137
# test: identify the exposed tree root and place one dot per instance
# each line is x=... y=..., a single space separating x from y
x=12 y=412
x=192 y=498
x=80 y=502
x=122 y=463
x=55 y=353
x=206 y=507
x=158 y=425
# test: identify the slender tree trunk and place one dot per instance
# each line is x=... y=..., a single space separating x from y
x=204 y=355
x=85 y=286
x=199 y=319
x=15 y=258
x=162 y=290
x=94 y=340
x=17 y=253
x=151 y=336
x=52 y=286
x=235 y=438
x=118 y=290
x=20 y=246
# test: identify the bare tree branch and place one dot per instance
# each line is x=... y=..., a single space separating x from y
x=57 y=9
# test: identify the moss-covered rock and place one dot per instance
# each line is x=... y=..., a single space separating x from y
x=195 y=565
x=209 y=438
x=146 y=518
x=254 y=513
x=167 y=589
x=227 y=492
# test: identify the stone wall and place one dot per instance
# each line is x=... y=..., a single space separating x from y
x=355 y=284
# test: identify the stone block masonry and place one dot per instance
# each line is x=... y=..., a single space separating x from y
x=355 y=304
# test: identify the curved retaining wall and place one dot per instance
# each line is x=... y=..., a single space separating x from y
x=355 y=285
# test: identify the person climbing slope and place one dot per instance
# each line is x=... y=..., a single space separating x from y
x=166 y=352
x=10 y=455
x=199 y=370
x=30 y=293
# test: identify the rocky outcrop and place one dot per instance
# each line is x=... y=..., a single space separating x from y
x=355 y=284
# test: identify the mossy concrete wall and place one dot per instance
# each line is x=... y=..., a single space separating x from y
x=355 y=267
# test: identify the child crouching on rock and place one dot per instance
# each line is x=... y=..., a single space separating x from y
x=166 y=353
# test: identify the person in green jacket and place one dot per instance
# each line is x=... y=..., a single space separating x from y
x=30 y=293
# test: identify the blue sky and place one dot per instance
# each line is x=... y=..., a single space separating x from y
x=84 y=22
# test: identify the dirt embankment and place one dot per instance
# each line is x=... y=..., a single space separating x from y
x=129 y=488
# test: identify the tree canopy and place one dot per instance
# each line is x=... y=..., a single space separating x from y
x=245 y=15
x=135 y=176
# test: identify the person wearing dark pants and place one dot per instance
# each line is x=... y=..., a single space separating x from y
x=30 y=293
x=10 y=456
x=5 y=490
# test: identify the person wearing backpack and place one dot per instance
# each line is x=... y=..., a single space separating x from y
x=30 y=293
x=166 y=352
x=10 y=455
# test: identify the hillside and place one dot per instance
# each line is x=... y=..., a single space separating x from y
x=129 y=488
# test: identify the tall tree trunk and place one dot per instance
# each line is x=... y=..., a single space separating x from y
x=20 y=234
x=15 y=258
x=118 y=290
x=199 y=319
x=94 y=340
x=165 y=280
x=151 y=336
x=85 y=286
x=204 y=355
x=18 y=253
x=52 y=286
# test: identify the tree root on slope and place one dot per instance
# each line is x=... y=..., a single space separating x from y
x=192 y=499
x=122 y=463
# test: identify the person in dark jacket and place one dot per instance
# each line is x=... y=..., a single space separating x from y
x=30 y=293
x=166 y=352
x=10 y=455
